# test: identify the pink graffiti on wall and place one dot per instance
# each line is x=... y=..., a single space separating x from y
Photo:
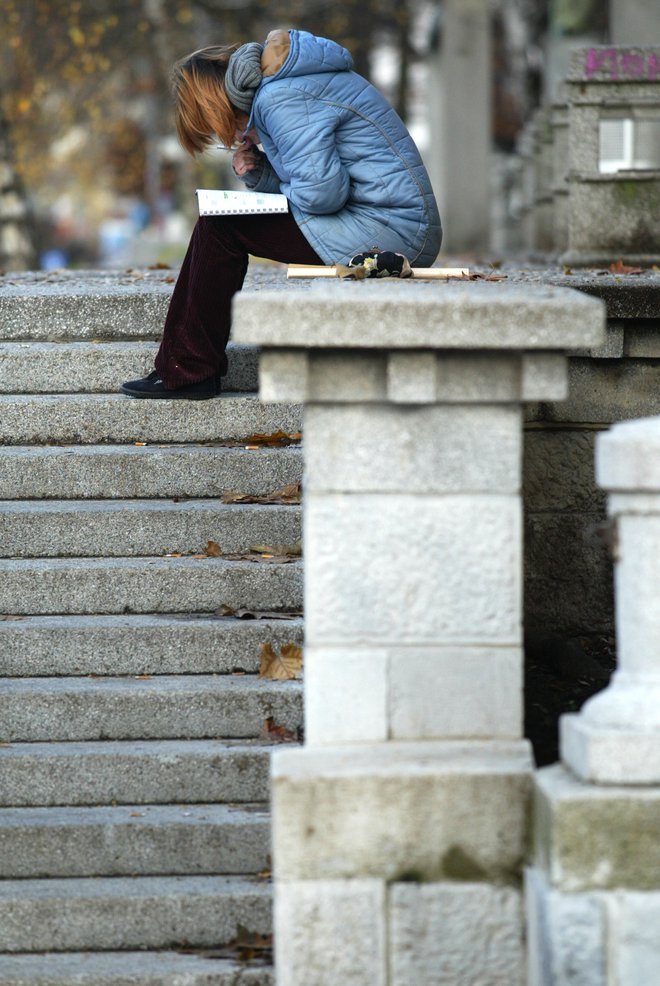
x=622 y=64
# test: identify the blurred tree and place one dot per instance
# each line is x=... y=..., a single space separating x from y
x=84 y=83
x=17 y=249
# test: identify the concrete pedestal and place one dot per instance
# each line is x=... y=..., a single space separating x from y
x=400 y=828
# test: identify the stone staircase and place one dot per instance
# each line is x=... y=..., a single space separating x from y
x=134 y=827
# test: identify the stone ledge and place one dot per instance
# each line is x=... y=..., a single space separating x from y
x=595 y=838
x=438 y=811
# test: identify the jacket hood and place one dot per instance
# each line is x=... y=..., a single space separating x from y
x=307 y=55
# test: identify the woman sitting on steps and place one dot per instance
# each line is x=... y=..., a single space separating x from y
x=331 y=144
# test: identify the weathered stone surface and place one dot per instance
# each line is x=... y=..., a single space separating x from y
x=100 y=418
x=195 y=706
x=439 y=449
x=128 y=969
x=126 y=471
x=154 y=643
x=419 y=316
x=146 y=585
x=131 y=840
x=596 y=838
x=356 y=812
x=331 y=931
x=568 y=573
x=60 y=528
x=94 y=367
x=434 y=928
x=567 y=935
x=558 y=471
x=130 y=912
x=628 y=456
x=467 y=546
x=601 y=392
x=134 y=772
x=374 y=694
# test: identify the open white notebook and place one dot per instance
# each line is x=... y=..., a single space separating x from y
x=216 y=202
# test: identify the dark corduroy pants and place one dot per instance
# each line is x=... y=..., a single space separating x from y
x=198 y=321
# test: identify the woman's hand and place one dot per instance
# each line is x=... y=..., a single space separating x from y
x=244 y=158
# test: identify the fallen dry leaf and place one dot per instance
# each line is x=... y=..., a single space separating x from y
x=283 y=666
x=12 y=618
x=294 y=550
x=288 y=494
x=277 y=734
x=618 y=267
x=255 y=614
x=213 y=549
x=276 y=438
x=475 y=276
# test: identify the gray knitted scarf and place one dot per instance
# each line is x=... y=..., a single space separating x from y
x=243 y=75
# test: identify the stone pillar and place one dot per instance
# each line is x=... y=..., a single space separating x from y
x=460 y=76
x=613 y=214
x=399 y=830
x=559 y=124
x=594 y=889
x=616 y=737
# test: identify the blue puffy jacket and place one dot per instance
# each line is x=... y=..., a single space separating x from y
x=343 y=158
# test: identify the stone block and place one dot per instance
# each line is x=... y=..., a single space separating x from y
x=411 y=378
x=568 y=573
x=613 y=348
x=601 y=392
x=636 y=931
x=345 y=695
x=416 y=449
x=459 y=555
x=283 y=372
x=347 y=376
x=567 y=935
x=595 y=838
x=449 y=934
x=358 y=694
x=642 y=339
x=398 y=811
x=558 y=470
x=609 y=754
x=330 y=932
x=455 y=692
x=628 y=456
x=391 y=315
x=544 y=377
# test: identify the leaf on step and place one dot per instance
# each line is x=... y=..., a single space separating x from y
x=272 y=731
x=136 y=814
x=275 y=439
x=159 y=265
x=288 y=494
x=254 y=614
x=284 y=666
x=618 y=267
x=213 y=549
x=294 y=550
x=8 y=618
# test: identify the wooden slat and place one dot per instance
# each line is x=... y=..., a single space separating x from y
x=419 y=273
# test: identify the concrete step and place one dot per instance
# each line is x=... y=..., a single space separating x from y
x=85 y=305
x=115 y=419
x=194 y=707
x=92 y=367
x=130 y=471
x=133 y=840
x=134 y=772
x=129 y=969
x=115 y=913
x=161 y=644
x=146 y=585
x=115 y=528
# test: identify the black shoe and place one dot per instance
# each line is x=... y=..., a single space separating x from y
x=153 y=387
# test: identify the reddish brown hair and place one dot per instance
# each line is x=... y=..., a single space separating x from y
x=202 y=110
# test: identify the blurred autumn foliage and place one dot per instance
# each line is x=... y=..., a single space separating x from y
x=84 y=92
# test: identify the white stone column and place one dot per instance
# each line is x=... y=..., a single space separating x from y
x=594 y=887
x=615 y=739
x=400 y=828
